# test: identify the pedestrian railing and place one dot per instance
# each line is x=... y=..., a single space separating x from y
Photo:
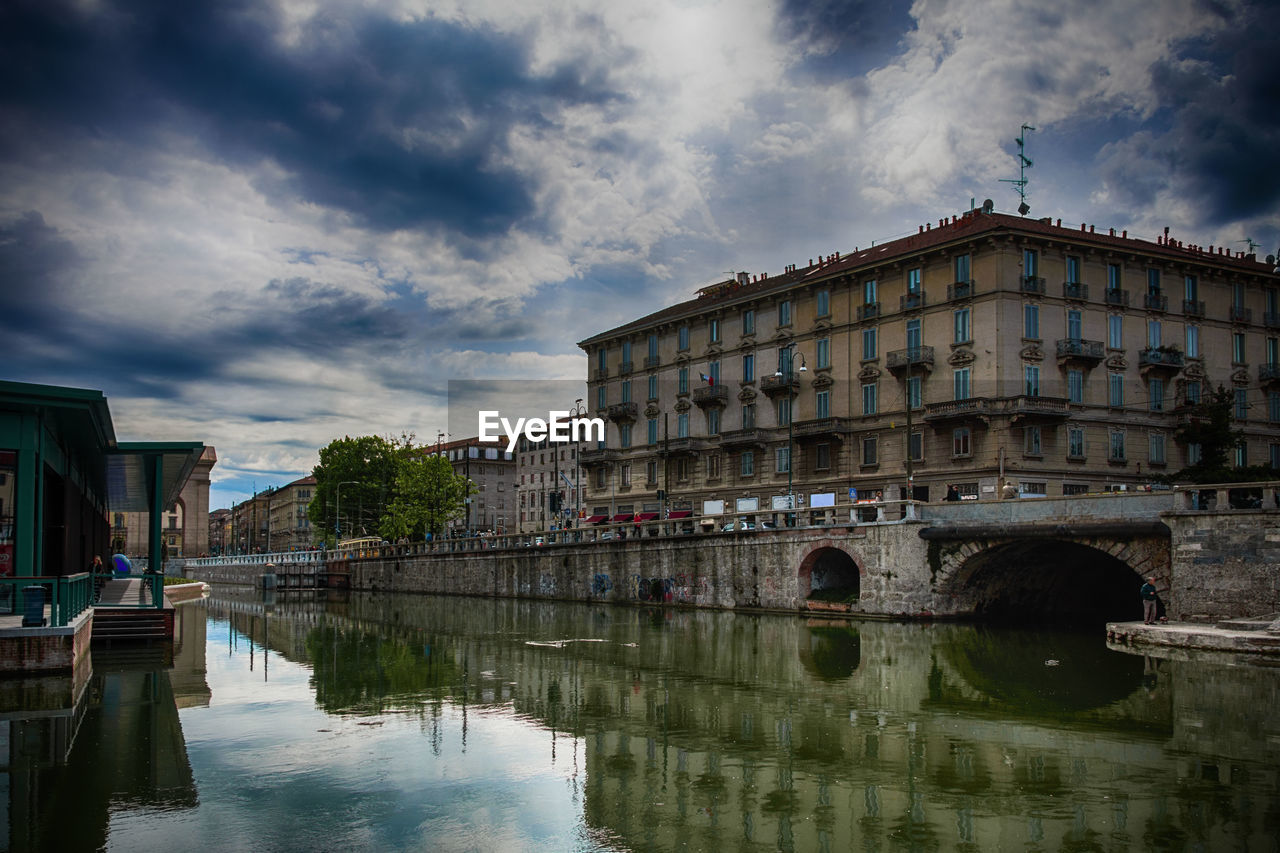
x=66 y=596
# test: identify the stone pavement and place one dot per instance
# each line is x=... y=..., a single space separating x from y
x=1259 y=636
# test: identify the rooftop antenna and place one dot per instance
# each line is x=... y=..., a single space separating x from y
x=1253 y=246
x=1024 y=163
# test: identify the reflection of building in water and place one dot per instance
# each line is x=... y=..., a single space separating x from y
x=190 y=687
x=715 y=731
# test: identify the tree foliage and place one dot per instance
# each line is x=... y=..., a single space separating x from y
x=362 y=473
x=428 y=495
x=1209 y=424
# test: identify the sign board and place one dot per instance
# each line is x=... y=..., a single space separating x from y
x=824 y=499
x=853 y=493
x=713 y=507
x=781 y=502
x=748 y=505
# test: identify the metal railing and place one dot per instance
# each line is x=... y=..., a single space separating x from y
x=152 y=597
x=67 y=596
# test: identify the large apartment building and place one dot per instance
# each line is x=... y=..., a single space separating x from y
x=999 y=354
x=492 y=469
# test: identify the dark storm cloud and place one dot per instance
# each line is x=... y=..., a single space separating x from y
x=845 y=39
x=401 y=124
x=34 y=263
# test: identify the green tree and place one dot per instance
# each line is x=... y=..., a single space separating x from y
x=1209 y=424
x=362 y=471
x=428 y=495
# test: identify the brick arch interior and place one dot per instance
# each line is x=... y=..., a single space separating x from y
x=1049 y=580
x=829 y=568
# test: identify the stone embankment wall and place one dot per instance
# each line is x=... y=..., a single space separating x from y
x=1224 y=563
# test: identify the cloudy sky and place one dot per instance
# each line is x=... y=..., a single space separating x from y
x=265 y=224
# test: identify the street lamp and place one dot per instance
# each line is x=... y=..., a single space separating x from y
x=578 y=411
x=789 y=377
x=337 y=510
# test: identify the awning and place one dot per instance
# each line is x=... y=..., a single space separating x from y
x=680 y=513
x=646 y=516
x=622 y=516
x=596 y=519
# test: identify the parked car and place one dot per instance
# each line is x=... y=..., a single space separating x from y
x=605 y=535
x=739 y=525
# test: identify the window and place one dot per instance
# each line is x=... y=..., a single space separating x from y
x=1193 y=393
x=1153 y=334
x=1031 y=321
x=653 y=387
x=653 y=346
x=1194 y=453
x=682 y=425
x=1031 y=437
x=713 y=370
x=913 y=280
x=1075 y=386
x=602 y=359
x=1237 y=295
x=1273 y=406
x=1155 y=394
x=626 y=352
x=651 y=471
x=652 y=433
x=624 y=435
x=1115 y=331
x=1237 y=348
x=961 y=442
x=1115 y=386
x=783 y=459
x=713 y=421
x=1153 y=281
x=824 y=352
x=626 y=476
x=823 y=300
x=713 y=329
x=960 y=383
x=1075 y=324
x=1073 y=269
x=1242 y=456
x=749 y=416
x=1031 y=377
x=1193 y=341
x=1190 y=288
x=749 y=367
x=1155 y=448
x=602 y=399
x=784 y=411
x=1116 y=450
x=913 y=335
x=962 y=334
x=602 y=477
x=869 y=347
x=868 y=398
x=915 y=446
x=1030 y=263
x=1241 y=404
x=1273 y=352
x=749 y=322
x=684 y=380
x=913 y=391
x=822 y=457
x=1113 y=277
x=1070 y=489
x=870 y=451
x=682 y=338
x=1275 y=456
x=1075 y=442
x=626 y=391
x=822 y=404
x=713 y=466
x=869 y=292
x=962 y=269
x=784 y=312
x=748 y=463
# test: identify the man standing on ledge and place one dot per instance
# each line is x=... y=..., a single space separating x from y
x=1149 y=598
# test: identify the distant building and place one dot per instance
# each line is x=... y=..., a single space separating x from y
x=290 y=528
x=493 y=470
x=547 y=477
x=219 y=531
x=1000 y=354
x=185 y=525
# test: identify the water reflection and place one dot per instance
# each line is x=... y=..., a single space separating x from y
x=426 y=723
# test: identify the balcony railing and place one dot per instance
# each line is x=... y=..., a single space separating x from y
x=651 y=361
x=1032 y=284
x=908 y=301
x=710 y=395
x=1240 y=314
x=592 y=455
x=625 y=368
x=978 y=408
x=751 y=436
x=1081 y=349
x=902 y=359
x=623 y=412
x=1156 y=357
x=1268 y=373
x=823 y=426
x=600 y=373
x=868 y=310
x=775 y=385
x=1155 y=302
x=1031 y=405
x=960 y=290
x=1115 y=296
x=1075 y=290
x=1193 y=307
x=1271 y=319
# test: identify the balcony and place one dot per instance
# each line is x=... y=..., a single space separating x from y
x=626 y=368
x=1271 y=319
x=705 y=396
x=1240 y=314
x=1075 y=290
x=1155 y=302
x=1160 y=359
x=777 y=386
x=971 y=410
x=750 y=437
x=823 y=428
x=906 y=360
x=597 y=455
x=960 y=290
x=623 y=412
x=1032 y=284
x=651 y=361
x=868 y=310
x=1034 y=408
x=1193 y=307
x=600 y=374
x=1269 y=374
x=685 y=446
x=1117 y=297
x=911 y=301
x=1079 y=351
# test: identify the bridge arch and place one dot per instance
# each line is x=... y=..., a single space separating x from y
x=831 y=571
x=1051 y=579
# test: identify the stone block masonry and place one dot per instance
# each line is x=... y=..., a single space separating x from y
x=1224 y=564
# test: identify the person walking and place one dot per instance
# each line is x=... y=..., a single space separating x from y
x=1149 y=601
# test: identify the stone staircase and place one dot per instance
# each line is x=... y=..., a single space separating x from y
x=118 y=618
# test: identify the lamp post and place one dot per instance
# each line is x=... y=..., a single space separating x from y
x=789 y=377
x=337 y=509
x=578 y=411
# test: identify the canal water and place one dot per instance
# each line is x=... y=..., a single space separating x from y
x=314 y=721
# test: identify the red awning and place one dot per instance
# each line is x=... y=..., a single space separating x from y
x=680 y=513
x=596 y=519
x=622 y=516
x=646 y=516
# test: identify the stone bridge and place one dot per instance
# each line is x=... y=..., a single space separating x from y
x=1074 y=559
